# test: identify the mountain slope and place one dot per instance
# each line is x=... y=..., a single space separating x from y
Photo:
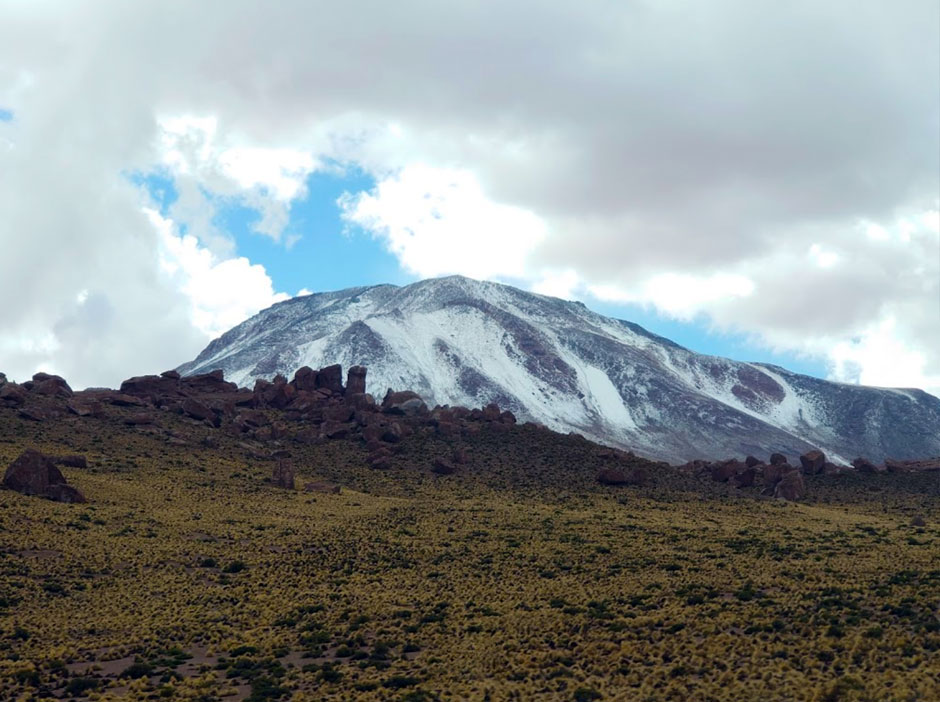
x=464 y=342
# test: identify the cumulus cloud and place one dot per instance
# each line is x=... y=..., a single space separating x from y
x=439 y=221
x=772 y=168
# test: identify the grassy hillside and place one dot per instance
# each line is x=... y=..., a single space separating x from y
x=188 y=575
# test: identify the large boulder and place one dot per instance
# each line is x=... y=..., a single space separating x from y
x=197 y=410
x=356 y=380
x=404 y=402
x=151 y=386
x=791 y=486
x=12 y=395
x=442 y=466
x=331 y=378
x=813 y=462
x=50 y=385
x=34 y=473
x=725 y=470
x=305 y=379
x=208 y=383
x=777 y=459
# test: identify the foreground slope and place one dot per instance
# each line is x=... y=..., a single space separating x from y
x=189 y=575
x=463 y=342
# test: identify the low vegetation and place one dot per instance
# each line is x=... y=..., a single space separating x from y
x=189 y=576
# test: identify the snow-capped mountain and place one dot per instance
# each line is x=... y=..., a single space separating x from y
x=458 y=341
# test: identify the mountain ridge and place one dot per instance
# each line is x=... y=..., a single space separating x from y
x=459 y=341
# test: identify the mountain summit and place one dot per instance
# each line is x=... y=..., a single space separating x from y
x=459 y=341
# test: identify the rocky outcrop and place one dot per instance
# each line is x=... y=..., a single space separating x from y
x=34 y=473
x=49 y=385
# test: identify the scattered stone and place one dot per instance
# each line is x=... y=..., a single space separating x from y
x=918 y=521
x=141 y=419
x=63 y=492
x=813 y=462
x=791 y=486
x=863 y=465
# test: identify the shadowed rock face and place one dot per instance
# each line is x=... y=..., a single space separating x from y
x=34 y=473
x=457 y=341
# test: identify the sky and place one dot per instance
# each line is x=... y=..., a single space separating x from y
x=755 y=180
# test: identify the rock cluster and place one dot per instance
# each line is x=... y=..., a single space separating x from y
x=34 y=473
x=777 y=477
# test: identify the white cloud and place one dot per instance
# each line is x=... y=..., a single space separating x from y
x=772 y=167
x=221 y=293
x=439 y=221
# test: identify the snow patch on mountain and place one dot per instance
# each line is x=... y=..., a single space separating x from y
x=461 y=341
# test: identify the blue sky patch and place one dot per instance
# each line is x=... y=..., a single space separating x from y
x=329 y=254
x=6 y=115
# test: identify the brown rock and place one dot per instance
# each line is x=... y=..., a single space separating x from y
x=12 y=395
x=725 y=470
x=791 y=486
x=338 y=413
x=777 y=459
x=331 y=378
x=65 y=493
x=507 y=417
x=746 y=477
x=139 y=419
x=208 y=383
x=283 y=475
x=196 y=409
x=33 y=473
x=894 y=466
x=50 y=385
x=813 y=462
x=442 y=466
x=33 y=414
x=151 y=386
x=361 y=402
x=918 y=521
x=83 y=408
x=863 y=465
x=120 y=399
x=460 y=456
x=170 y=375
x=405 y=402
x=774 y=472
x=392 y=433
x=356 y=380
x=305 y=379
x=750 y=462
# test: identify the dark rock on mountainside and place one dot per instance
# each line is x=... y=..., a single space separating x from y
x=34 y=473
x=460 y=342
